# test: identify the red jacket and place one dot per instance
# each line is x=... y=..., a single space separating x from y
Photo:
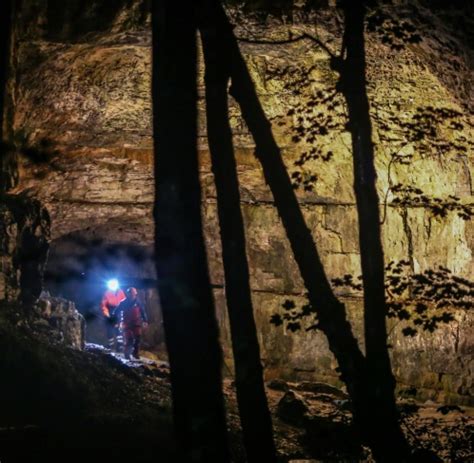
x=132 y=313
x=110 y=301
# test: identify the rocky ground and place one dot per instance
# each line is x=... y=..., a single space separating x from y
x=61 y=403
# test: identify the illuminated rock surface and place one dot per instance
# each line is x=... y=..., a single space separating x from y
x=82 y=102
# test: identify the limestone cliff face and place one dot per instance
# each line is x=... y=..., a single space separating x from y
x=82 y=102
x=24 y=236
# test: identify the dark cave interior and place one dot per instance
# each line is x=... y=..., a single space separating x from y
x=78 y=268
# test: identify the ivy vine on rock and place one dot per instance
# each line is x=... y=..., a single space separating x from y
x=293 y=316
x=407 y=196
x=391 y=31
x=315 y=114
x=421 y=301
x=432 y=130
x=427 y=299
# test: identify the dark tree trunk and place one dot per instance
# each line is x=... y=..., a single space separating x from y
x=381 y=415
x=5 y=31
x=183 y=281
x=331 y=313
x=253 y=408
x=5 y=34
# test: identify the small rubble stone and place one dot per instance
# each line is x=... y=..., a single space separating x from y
x=320 y=388
x=292 y=408
x=278 y=385
x=305 y=461
x=330 y=433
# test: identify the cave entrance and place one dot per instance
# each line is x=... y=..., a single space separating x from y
x=81 y=263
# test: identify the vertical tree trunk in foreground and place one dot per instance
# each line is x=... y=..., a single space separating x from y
x=253 y=408
x=381 y=421
x=369 y=414
x=5 y=34
x=331 y=313
x=183 y=281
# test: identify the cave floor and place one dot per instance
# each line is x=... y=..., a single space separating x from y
x=311 y=421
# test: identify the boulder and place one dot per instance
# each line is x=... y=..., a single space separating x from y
x=292 y=409
x=58 y=319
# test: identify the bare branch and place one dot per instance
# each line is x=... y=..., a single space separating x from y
x=303 y=36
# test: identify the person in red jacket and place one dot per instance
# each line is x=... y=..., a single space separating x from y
x=110 y=301
x=133 y=317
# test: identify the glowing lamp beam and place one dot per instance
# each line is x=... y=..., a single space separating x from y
x=113 y=284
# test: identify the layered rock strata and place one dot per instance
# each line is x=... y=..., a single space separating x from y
x=82 y=115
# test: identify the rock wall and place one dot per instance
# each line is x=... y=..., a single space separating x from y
x=59 y=321
x=82 y=119
x=24 y=245
x=24 y=236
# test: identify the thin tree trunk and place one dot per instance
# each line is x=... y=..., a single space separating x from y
x=5 y=31
x=331 y=313
x=183 y=280
x=382 y=420
x=5 y=34
x=253 y=408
